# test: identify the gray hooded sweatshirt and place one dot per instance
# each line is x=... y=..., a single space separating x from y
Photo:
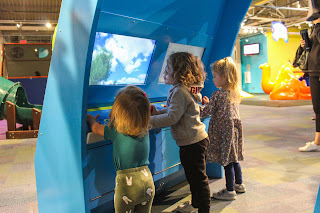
x=182 y=115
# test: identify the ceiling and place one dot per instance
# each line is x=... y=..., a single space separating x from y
x=32 y=15
x=261 y=13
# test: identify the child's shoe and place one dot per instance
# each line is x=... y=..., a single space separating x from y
x=224 y=194
x=186 y=207
x=309 y=147
x=241 y=188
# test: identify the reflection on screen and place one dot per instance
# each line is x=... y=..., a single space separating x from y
x=118 y=59
x=173 y=48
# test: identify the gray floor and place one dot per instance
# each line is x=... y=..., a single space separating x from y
x=279 y=179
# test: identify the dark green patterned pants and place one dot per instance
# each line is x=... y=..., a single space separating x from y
x=134 y=190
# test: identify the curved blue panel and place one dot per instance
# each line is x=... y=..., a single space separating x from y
x=58 y=157
x=195 y=16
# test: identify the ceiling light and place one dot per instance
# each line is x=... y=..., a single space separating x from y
x=242 y=24
x=48 y=25
x=18 y=26
x=245 y=30
x=251 y=31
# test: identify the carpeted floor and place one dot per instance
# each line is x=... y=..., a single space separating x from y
x=279 y=179
x=17 y=177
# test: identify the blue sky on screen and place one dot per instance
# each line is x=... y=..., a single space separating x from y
x=131 y=57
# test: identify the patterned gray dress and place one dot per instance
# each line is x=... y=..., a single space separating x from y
x=225 y=129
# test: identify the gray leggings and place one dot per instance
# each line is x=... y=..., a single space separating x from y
x=134 y=190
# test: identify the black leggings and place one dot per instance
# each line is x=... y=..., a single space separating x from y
x=315 y=95
x=233 y=175
x=194 y=163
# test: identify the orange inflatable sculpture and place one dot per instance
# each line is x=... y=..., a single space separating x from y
x=287 y=85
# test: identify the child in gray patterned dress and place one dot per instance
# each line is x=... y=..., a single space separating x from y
x=225 y=128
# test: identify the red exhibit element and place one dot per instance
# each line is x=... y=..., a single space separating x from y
x=23 y=41
x=195 y=90
x=287 y=85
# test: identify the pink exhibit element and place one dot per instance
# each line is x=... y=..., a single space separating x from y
x=287 y=85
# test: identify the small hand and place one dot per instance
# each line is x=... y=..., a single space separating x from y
x=205 y=100
x=302 y=42
x=92 y=118
x=153 y=110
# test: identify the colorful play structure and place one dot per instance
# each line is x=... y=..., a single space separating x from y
x=74 y=168
x=23 y=77
x=27 y=64
x=287 y=85
x=15 y=108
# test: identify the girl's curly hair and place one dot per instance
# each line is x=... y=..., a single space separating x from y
x=186 y=68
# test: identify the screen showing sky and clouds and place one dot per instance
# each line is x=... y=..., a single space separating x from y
x=118 y=60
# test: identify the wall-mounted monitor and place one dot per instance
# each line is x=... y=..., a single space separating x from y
x=173 y=48
x=120 y=60
x=251 y=49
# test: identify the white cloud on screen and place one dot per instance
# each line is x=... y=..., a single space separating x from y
x=130 y=81
x=140 y=80
x=102 y=35
x=126 y=50
x=106 y=82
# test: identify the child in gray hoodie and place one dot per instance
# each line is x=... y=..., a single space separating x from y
x=186 y=73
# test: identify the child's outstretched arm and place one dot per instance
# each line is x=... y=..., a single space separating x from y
x=210 y=105
x=171 y=114
x=95 y=127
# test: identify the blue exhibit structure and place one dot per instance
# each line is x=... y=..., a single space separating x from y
x=74 y=170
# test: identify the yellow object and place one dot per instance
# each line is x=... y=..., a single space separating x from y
x=266 y=83
x=244 y=94
x=280 y=52
x=54 y=36
x=287 y=85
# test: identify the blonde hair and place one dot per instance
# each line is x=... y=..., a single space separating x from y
x=130 y=114
x=227 y=68
x=186 y=68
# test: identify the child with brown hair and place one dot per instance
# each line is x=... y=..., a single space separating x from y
x=225 y=127
x=128 y=130
x=186 y=73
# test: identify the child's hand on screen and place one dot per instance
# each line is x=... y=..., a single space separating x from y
x=153 y=110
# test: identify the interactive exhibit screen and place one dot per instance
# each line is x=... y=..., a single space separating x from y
x=120 y=60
